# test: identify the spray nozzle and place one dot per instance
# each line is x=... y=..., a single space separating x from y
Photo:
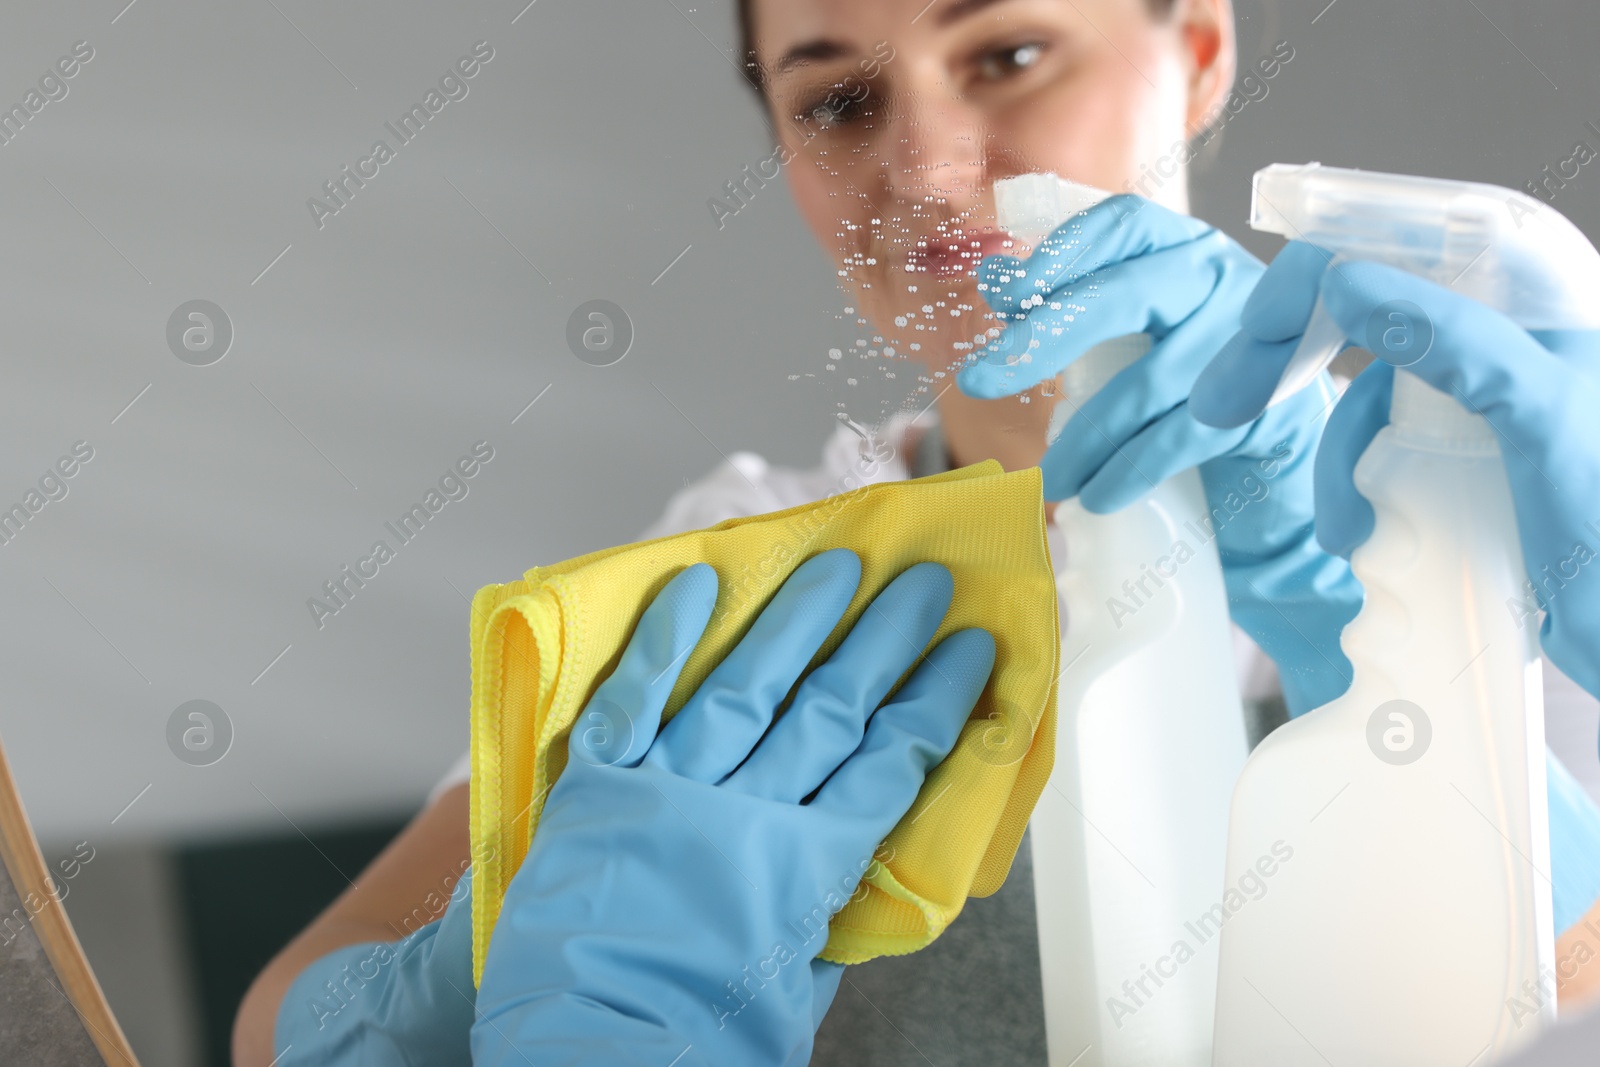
x=1029 y=206
x=1494 y=245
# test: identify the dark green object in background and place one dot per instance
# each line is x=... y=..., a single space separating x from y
x=243 y=901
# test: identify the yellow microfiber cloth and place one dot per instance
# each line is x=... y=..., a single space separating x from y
x=542 y=645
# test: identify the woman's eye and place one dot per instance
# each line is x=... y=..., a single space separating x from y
x=1004 y=62
x=835 y=110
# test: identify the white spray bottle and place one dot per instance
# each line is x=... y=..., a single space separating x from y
x=1391 y=849
x=1129 y=838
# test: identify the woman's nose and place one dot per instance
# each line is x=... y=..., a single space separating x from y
x=934 y=148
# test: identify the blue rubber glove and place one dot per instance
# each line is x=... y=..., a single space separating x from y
x=680 y=884
x=1130 y=266
x=386 y=1004
x=1539 y=392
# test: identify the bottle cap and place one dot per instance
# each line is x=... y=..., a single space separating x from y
x=1497 y=246
x=1029 y=206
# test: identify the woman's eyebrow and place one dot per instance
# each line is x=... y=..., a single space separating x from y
x=810 y=52
x=958 y=10
x=823 y=48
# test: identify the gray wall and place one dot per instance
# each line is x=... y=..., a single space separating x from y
x=1481 y=90
x=422 y=318
x=431 y=310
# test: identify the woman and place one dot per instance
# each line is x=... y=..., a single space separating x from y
x=894 y=118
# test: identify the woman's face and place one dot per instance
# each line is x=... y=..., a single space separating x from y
x=900 y=115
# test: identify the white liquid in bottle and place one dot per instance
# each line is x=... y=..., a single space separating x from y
x=1411 y=925
x=1129 y=836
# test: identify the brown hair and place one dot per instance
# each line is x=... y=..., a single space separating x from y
x=1159 y=9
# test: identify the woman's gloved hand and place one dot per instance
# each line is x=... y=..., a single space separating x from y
x=1540 y=392
x=386 y=1004
x=1129 y=266
x=681 y=880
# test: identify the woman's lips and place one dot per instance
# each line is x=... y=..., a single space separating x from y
x=955 y=254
